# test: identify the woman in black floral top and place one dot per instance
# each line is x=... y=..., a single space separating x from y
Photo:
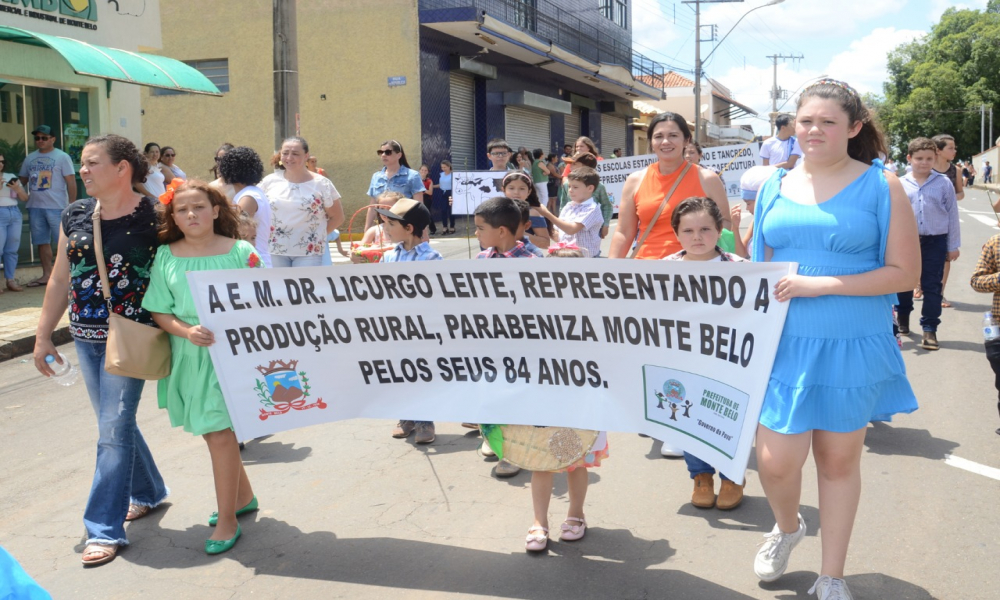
x=127 y=484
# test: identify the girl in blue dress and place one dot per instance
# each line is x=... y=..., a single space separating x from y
x=850 y=227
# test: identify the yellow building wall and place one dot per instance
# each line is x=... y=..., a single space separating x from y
x=197 y=125
x=347 y=50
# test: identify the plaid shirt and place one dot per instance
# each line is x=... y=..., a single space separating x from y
x=422 y=251
x=518 y=251
x=986 y=277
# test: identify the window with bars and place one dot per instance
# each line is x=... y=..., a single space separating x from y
x=615 y=10
x=216 y=70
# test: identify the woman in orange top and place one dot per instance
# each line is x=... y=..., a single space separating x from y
x=644 y=192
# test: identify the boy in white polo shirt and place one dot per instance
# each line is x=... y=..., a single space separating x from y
x=580 y=221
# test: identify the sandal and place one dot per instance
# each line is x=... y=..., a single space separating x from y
x=105 y=553
x=137 y=511
x=570 y=532
x=537 y=542
x=945 y=303
x=918 y=294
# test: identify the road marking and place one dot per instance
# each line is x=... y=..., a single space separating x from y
x=972 y=467
x=984 y=220
x=974 y=212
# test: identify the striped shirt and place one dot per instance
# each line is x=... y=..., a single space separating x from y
x=935 y=206
x=588 y=214
x=986 y=277
x=422 y=251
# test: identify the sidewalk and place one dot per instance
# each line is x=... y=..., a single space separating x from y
x=19 y=312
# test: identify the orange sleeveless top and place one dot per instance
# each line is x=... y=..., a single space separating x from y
x=662 y=241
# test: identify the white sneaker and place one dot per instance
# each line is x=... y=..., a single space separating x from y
x=670 y=451
x=828 y=588
x=772 y=558
x=485 y=449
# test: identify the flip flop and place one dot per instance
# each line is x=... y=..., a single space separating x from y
x=106 y=553
x=137 y=511
x=37 y=284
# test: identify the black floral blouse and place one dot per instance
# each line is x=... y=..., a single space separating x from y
x=129 y=248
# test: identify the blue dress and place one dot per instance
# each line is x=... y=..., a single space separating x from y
x=838 y=365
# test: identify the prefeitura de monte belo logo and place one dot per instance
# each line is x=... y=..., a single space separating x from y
x=283 y=389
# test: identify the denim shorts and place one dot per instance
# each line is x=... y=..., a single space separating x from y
x=45 y=224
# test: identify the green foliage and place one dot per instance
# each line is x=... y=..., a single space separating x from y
x=937 y=84
x=13 y=152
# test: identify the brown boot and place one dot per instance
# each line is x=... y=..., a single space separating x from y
x=929 y=342
x=704 y=491
x=730 y=495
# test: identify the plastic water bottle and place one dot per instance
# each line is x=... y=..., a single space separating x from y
x=991 y=332
x=66 y=374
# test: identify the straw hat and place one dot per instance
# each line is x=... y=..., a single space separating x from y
x=539 y=448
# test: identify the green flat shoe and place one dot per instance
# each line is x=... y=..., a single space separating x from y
x=251 y=506
x=220 y=546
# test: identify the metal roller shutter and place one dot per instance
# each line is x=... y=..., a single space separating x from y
x=573 y=125
x=529 y=128
x=614 y=133
x=463 y=122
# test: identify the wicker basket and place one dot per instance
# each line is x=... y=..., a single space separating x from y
x=368 y=253
x=544 y=448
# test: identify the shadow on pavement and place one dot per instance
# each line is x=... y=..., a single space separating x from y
x=608 y=563
x=260 y=452
x=754 y=514
x=868 y=585
x=883 y=438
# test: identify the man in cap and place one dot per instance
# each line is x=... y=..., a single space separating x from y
x=50 y=179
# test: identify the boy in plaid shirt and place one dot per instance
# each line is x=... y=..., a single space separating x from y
x=986 y=278
x=497 y=222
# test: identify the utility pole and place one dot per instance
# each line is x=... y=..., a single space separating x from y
x=776 y=91
x=697 y=72
x=982 y=128
x=286 y=70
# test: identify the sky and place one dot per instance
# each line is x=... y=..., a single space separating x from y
x=844 y=39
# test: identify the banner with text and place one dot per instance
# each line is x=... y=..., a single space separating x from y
x=730 y=162
x=615 y=171
x=471 y=188
x=680 y=351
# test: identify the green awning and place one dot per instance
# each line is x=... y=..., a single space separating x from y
x=118 y=65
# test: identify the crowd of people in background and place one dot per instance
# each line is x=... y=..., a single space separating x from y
x=824 y=160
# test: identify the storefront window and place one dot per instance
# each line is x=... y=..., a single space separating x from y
x=66 y=112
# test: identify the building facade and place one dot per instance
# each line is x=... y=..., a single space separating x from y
x=717 y=105
x=78 y=67
x=441 y=77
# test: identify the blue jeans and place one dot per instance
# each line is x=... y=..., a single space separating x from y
x=10 y=238
x=696 y=466
x=45 y=225
x=279 y=261
x=933 y=255
x=125 y=469
x=327 y=258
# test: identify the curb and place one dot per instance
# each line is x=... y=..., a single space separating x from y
x=20 y=347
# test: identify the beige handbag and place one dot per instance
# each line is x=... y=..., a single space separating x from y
x=133 y=349
x=659 y=211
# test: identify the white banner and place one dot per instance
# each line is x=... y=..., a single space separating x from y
x=730 y=162
x=614 y=171
x=471 y=188
x=680 y=351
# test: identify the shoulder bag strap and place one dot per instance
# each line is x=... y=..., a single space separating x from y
x=102 y=267
x=659 y=211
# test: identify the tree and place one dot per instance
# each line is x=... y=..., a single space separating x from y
x=937 y=84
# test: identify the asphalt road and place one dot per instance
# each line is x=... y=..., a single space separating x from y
x=348 y=512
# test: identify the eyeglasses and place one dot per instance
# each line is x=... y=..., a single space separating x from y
x=42 y=138
x=499 y=154
x=169 y=155
x=218 y=158
x=388 y=152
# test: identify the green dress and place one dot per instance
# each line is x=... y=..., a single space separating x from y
x=191 y=395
